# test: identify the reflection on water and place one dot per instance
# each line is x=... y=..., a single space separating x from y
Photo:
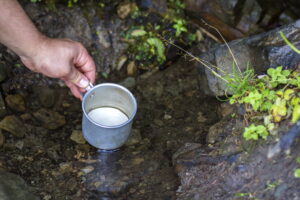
x=104 y=180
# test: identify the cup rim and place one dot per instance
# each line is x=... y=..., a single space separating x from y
x=116 y=86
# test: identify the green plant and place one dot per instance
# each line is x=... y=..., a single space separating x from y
x=254 y=132
x=179 y=26
x=297 y=173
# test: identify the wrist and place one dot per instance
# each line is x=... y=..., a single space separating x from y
x=33 y=47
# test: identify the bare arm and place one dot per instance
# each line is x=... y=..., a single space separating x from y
x=56 y=58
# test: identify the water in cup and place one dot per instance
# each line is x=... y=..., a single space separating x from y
x=108 y=116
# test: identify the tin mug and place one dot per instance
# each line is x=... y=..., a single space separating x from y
x=108 y=113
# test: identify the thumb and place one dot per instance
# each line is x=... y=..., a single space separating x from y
x=77 y=78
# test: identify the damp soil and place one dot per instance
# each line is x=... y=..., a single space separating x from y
x=172 y=111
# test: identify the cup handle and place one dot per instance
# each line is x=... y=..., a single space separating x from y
x=90 y=86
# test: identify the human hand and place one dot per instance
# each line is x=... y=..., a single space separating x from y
x=63 y=59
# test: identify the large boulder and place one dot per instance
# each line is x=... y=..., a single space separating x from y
x=260 y=51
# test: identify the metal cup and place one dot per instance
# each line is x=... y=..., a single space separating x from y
x=103 y=135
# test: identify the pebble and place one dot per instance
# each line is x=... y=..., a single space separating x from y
x=201 y=118
x=131 y=69
x=77 y=137
x=124 y=9
x=16 y=102
x=138 y=161
x=87 y=169
x=121 y=62
x=13 y=125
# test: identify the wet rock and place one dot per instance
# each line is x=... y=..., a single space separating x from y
x=46 y=96
x=16 y=102
x=224 y=129
x=128 y=82
x=260 y=51
x=13 y=125
x=185 y=149
x=87 y=169
x=77 y=137
x=2 y=138
x=14 y=187
x=125 y=8
x=225 y=109
x=49 y=119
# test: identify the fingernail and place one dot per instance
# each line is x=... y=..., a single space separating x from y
x=83 y=83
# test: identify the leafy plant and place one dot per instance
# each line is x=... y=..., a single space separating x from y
x=179 y=26
x=297 y=173
x=255 y=132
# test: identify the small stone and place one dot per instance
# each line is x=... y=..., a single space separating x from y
x=124 y=9
x=158 y=122
x=26 y=116
x=199 y=36
x=201 y=118
x=50 y=119
x=121 y=62
x=77 y=137
x=167 y=117
x=20 y=144
x=65 y=167
x=131 y=68
x=47 y=197
x=138 y=161
x=87 y=169
x=2 y=138
x=13 y=125
x=16 y=102
x=97 y=184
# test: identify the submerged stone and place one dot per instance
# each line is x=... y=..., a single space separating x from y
x=50 y=119
x=13 y=125
x=16 y=102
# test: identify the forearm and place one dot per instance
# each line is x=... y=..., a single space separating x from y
x=17 y=32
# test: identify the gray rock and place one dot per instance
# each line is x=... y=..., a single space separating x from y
x=260 y=51
x=50 y=119
x=13 y=125
x=15 y=102
x=13 y=187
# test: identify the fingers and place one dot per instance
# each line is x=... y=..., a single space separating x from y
x=74 y=89
x=77 y=78
x=85 y=64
